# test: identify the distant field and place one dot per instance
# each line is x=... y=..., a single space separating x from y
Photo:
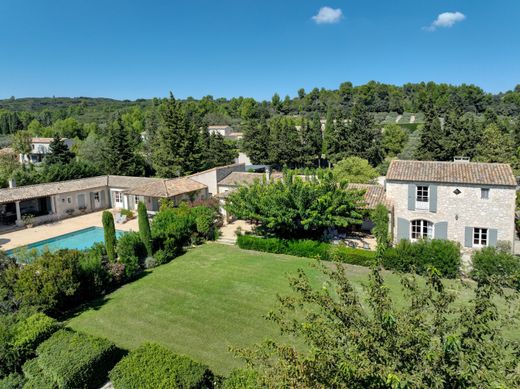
x=212 y=297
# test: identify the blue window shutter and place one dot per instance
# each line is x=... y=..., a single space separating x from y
x=441 y=230
x=403 y=229
x=102 y=199
x=468 y=236
x=411 y=197
x=433 y=198
x=493 y=234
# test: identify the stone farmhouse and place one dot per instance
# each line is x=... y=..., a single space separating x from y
x=40 y=148
x=466 y=202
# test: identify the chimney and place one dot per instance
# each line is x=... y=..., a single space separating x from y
x=12 y=183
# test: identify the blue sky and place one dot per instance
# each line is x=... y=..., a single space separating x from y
x=144 y=48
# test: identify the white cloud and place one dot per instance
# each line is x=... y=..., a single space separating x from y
x=328 y=15
x=446 y=19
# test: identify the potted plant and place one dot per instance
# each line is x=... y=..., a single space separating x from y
x=28 y=220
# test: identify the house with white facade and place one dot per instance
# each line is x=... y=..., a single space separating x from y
x=39 y=149
x=466 y=202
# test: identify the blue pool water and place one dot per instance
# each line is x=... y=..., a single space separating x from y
x=79 y=240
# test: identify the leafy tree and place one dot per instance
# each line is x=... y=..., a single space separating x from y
x=422 y=340
x=381 y=220
x=293 y=208
x=144 y=228
x=21 y=142
x=59 y=152
x=394 y=139
x=110 y=235
x=494 y=146
x=8 y=165
x=355 y=170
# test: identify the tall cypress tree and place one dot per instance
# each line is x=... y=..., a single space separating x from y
x=284 y=143
x=120 y=154
x=430 y=141
x=59 y=152
x=311 y=141
x=144 y=228
x=256 y=140
x=110 y=235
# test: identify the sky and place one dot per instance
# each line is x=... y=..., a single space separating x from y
x=228 y=48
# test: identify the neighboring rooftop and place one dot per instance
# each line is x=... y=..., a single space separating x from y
x=374 y=194
x=452 y=172
x=241 y=178
x=219 y=127
x=44 y=140
x=167 y=188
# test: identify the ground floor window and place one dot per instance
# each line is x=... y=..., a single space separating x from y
x=119 y=197
x=480 y=237
x=421 y=229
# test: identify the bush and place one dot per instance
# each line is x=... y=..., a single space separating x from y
x=131 y=250
x=75 y=360
x=242 y=379
x=94 y=276
x=307 y=248
x=444 y=255
x=29 y=333
x=491 y=262
x=128 y=213
x=163 y=256
x=154 y=366
x=150 y=263
x=205 y=222
x=12 y=381
x=110 y=235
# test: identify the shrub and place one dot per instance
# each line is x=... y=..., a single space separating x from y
x=29 y=333
x=128 y=213
x=116 y=272
x=205 y=222
x=307 y=248
x=172 y=229
x=94 y=275
x=154 y=366
x=110 y=235
x=150 y=263
x=444 y=255
x=51 y=282
x=491 y=262
x=75 y=360
x=144 y=228
x=242 y=379
x=163 y=256
x=131 y=251
x=12 y=381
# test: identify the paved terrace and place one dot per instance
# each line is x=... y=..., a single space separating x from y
x=26 y=236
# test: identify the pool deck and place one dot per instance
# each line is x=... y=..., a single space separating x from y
x=18 y=238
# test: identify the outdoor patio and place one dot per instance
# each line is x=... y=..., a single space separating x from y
x=25 y=236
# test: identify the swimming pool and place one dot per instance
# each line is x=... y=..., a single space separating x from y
x=79 y=240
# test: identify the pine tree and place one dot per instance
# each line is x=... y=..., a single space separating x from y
x=256 y=140
x=59 y=152
x=144 y=228
x=284 y=145
x=430 y=142
x=494 y=146
x=177 y=143
x=110 y=235
x=311 y=141
x=120 y=154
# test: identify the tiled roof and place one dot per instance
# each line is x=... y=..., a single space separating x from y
x=374 y=194
x=452 y=172
x=44 y=140
x=167 y=188
x=127 y=182
x=52 y=188
x=7 y=151
x=241 y=178
x=218 y=127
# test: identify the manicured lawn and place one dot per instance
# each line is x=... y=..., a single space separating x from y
x=211 y=298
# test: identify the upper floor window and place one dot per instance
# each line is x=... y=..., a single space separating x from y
x=421 y=229
x=480 y=237
x=422 y=197
x=484 y=193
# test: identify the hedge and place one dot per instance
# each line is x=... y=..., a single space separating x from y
x=242 y=379
x=75 y=360
x=12 y=381
x=29 y=333
x=444 y=255
x=153 y=366
x=307 y=248
x=503 y=266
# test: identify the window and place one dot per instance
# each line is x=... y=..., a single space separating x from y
x=421 y=229
x=480 y=237
x=69 y=200
x=119 y=197
x=484 y=193
x=136 y=199
x=422 y=197
x=96 y=196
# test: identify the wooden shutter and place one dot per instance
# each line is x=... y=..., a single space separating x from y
x=493 y=234
x=81 y=201
x=433 y=198
x=441 y=230
x=411 y=197
x=468 y=236
x=102 y=198
x=403 y=229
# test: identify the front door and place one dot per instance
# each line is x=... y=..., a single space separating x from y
x=118 y=200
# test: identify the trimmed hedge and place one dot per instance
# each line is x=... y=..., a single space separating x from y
x=307 y=248
x=503 y=266
x=71 y=359
x=444 y=255
x=29 y=333
x=152 y=366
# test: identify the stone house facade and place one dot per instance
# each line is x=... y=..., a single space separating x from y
x=469 y=203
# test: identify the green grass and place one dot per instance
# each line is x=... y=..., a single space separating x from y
x=213 y=297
